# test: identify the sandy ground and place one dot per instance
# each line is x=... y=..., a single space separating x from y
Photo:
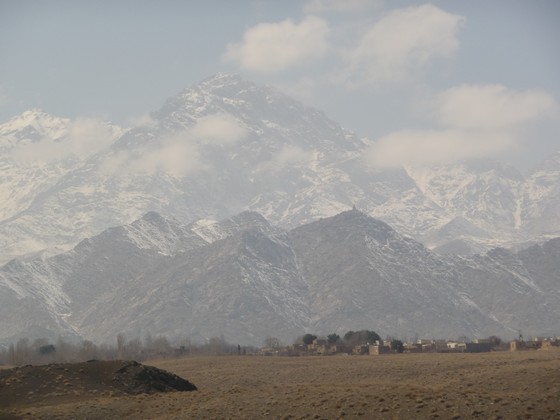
x=414 y=386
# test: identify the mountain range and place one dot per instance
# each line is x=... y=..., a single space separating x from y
x=227 y=145
x=250 y=280
x=227 y=212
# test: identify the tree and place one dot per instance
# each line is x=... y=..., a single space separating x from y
x=47 y=349
x=361 y=337
x=23 y=353
x=133 y=349
x=88 y=350
x=12 y=358
x=308 y=339
x=397 y=346
x=348 y=336
x=333 y=338
x=272 y=342
x=38 y=343
x=121 y=340
x=495 y=340
x=217 y=345
x=65 y=351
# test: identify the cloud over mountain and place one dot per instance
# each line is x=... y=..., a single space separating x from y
x=273 y=47
x=492 y=107
x=473 y=121
x=402 y=43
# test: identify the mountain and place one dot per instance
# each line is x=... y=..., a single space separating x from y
x=226 y=145
x=252 y=280
x=482 y=200
x=39 y=157
x=362 y=273
x=32 y=127
x=59 y=292
x=540 y=199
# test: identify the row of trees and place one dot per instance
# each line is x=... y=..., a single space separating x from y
x=42 y=351
x=349 y=340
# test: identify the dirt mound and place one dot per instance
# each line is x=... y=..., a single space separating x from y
x=72 y=381
x=134 y=378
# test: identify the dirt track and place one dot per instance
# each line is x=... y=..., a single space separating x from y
x=494 y=385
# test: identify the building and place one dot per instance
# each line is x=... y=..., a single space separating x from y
x=361 y=349
x=520 y=345
x=478 y=347
x=457 y=346
x=377 y=349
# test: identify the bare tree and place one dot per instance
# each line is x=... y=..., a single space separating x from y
x=272 y=342
x=120 y=345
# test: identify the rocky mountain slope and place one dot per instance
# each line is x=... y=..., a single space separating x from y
x=251 y=280
x=226 y=145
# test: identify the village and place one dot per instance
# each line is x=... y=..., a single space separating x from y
x=326 y=346
x=356 y=343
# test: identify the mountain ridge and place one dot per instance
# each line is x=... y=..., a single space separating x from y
x=348 y=271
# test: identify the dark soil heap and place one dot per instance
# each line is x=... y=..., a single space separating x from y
x=70 y=381
x=134 y=378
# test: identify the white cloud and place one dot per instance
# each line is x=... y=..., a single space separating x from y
x=398 y=46
x=292 y=155
x=84 y=136
x=302 y=90
x=177 y=155
x=44 y=151
x=288 y=155
x=272 y=47
x=180 y=154
x=218 y=129
x=426 y=147
x=339 y=6
x=145 y=120
x=472 y=121
x=492 y=107
x=403 y=41
x=88 y=135
x=115 y=163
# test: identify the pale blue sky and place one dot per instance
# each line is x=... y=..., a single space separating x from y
x=121 y=59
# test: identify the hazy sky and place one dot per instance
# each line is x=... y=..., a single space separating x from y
x=429 y=82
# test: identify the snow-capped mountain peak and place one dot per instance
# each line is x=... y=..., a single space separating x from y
x=34 y=125
x=223 y=80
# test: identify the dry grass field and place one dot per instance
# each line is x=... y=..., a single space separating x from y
x=415 y=386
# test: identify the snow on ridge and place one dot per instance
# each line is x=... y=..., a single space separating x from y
x=208 y=229
x=36 y=118
x=33 y=123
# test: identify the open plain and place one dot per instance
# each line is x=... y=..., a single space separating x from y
x=504 y=385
